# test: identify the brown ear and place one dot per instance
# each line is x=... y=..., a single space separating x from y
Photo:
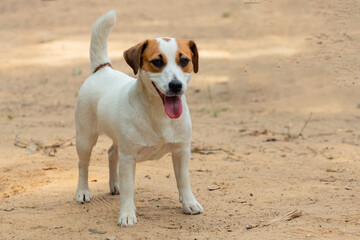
x=195 y=55
x=133 y=56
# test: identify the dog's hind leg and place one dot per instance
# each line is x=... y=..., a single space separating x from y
x=114 y=170
x=85 y=142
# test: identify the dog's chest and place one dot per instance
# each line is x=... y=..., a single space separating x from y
x=152 y=145
x=153 y=152
x=143 y=139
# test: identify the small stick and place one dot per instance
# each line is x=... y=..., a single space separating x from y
x=314 y=151
x=18 y=143
x=202 y=150
x=211 y=100
x=59 y=144
x=49 y=149
x=305 y=124
x=321 y=135
x=8 y=209
x=287 y=217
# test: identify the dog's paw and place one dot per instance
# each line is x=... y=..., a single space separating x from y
x=127 y=217
x=192 y=207
x=114 y=188
x=83 y=196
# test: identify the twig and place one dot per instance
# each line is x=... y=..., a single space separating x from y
x=34 y=145
x=313 y=150
x=18 y=143
x=213 y=188
x=8 y=209
x=61 y=144
x=287 y=217
x=211 y=102
x=206 y=151
x=305 y=124
x=210 y=97
x=321 y=135
x=288 y=131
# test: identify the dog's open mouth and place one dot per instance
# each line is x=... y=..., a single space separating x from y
x=172 y=104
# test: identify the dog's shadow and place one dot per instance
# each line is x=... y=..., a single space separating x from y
x=147 y=206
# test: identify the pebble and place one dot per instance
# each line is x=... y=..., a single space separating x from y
x=111 y=238
x=249 y=226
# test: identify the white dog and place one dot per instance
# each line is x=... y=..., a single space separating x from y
x=145 y=117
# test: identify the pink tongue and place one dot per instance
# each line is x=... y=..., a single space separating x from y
x=173 y=106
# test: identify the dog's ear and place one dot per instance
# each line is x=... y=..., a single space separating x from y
x=195 y=55
x=133 y=56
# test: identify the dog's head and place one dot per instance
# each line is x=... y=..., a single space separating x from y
x=166 y=66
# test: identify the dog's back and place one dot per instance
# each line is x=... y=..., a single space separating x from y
x=96 y=95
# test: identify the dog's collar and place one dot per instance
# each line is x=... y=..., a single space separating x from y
x=101 y=66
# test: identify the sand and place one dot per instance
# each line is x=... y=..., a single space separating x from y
x=275 y=111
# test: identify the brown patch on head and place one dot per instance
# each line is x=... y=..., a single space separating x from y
x=151 y=53
x=189 y=50
x=166 y=39
x=141 y=55
x=133 y=55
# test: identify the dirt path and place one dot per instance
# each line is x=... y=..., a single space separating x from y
x=265 y=67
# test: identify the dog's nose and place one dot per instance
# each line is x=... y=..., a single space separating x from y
x=175 y=86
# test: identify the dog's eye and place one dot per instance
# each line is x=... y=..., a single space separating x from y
x=184 y=61
x=158 y=62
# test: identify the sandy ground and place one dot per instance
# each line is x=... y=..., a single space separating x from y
x=265 y=68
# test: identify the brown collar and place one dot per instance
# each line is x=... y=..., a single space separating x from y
x=101 y=66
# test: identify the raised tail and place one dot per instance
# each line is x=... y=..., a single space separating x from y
x=99 y=36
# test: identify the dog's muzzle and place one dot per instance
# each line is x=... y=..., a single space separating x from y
x=172 y=104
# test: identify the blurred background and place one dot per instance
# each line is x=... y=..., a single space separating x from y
x=275 y=110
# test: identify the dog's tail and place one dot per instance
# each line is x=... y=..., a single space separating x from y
x=99 y=36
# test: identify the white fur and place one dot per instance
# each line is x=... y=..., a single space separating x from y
x=171 y=70
x=132 y=114
x=99 y=35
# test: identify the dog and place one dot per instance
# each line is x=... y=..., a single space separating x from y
x=145 y=117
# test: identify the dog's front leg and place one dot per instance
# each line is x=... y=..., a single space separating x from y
x=127 y=206
x=181 y=157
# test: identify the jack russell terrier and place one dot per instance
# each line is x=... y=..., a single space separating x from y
x=145 y=117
